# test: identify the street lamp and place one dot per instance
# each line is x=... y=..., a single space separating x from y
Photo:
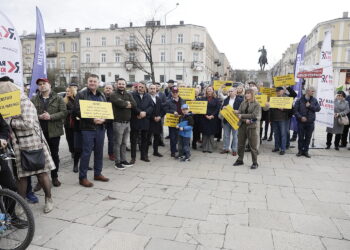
x=177 y=4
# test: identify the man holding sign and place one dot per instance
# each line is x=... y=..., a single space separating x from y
x=93 y=133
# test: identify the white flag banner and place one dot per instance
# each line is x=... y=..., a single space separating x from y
x=325 y=88
x=10 y=52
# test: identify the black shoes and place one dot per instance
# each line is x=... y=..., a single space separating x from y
x=275 y=150
x=336 y=148
x=145 y=159
x=19 y=223
x=162 y=144
x=75 y=169
x=306 y=154
x=254 y=166
x=172 y=155
x=328 y=147
x=264 y=138
x=299 y=154
x=238 y=163
x=157 y=154
x=270 y=139
x=282 y=152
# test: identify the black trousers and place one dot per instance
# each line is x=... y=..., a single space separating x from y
x=305 y=130
x=70 y=138
x=345 y=135
x=6 y=178
x=144 y=143
x=336 y=140
x=156 y=141
x=54 y=145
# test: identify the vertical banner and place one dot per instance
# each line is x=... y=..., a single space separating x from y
x=39 y=64
x=10 y=51
x=325 y=88
x=299 y=60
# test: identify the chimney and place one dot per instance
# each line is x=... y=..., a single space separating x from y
x=77 y=29
x=181 y=22
x=130 y=24
x=345 y=14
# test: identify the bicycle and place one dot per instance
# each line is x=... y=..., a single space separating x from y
x=17 y=225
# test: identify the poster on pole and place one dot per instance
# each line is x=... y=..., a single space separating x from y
x=325 y=87
x=280 y=81
x=10 y=51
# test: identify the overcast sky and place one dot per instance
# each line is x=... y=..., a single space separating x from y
x=238 y=28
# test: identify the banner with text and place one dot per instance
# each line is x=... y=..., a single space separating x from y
x=280 y=81
x=94 y=109
x=281 y=102
x=10 y=51
x=171 y=120
x=198 y=107
x=187 y=93
x=268 y=91
x=261 y=99
x=228 y=113
x=325 y=88
x=218 y=83
x=10 y=104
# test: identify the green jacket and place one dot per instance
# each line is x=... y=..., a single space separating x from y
x=253 y=112
x=57 y=110
x=119 y=102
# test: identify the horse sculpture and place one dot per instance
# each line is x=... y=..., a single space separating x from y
x=263 y=58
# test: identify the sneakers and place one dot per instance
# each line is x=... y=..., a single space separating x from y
x=119 y=166
x=185 y=159
x=48 y=205
x=180 y=157
x=126 y=164
x=31 y=198
x=254 y=166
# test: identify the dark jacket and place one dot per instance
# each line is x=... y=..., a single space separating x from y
x=209 y=127
x=57 y=110
x=144 y=104
x=279 y=114
x=119 y=102
x=186 y=122
x=69 y=121
x=86 y=94
x=236 y=104
x=156 y=127
x=348 y=100
x=163 y=98
x=300 y=109
x=4 y=129
x=171 y=105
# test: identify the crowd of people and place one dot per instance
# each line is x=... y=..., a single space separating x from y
x=139 y=123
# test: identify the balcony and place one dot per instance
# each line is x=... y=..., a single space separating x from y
x=130 y=46
x=197 y=45
x=130 y=64
x=197 y=65
x=51 y=54
x=216 y=61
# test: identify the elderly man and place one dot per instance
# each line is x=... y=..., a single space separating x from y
x=93 y=133
x=51 y=111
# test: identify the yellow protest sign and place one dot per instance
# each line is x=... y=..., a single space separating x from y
x=286 y=80
x=228 y=113
x=198 y=107
x=281 y=102
x=94 y=109
x=217 y=84
x=268 y=91
x=10 y=104
x=171 y=120
x=187 y=93
x=261 y=99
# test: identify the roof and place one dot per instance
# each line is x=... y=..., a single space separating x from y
x=54 y=35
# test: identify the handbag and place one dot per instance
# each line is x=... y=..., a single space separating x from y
x=343 y=120
x=31 y=160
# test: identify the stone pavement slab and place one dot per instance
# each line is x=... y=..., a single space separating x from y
x=295 y=241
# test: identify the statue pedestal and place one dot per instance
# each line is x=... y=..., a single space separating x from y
x=262 y=77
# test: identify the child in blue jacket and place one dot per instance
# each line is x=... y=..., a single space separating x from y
x=185 y=132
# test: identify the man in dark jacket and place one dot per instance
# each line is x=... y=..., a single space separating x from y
x=93 y=133
x=280 y=124
x=51 y=111
x=108 y=90
x=123 y=102
x=140 y=118
x=345 y=135
x=173 y=106
x=305 y=110
x=163 y=98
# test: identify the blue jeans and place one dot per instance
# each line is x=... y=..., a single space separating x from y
x=92 y=140
x=280 y=133
x=109 y=129
x=305 y=130
x=185 y=145
x=227 y=136
x=173 y=134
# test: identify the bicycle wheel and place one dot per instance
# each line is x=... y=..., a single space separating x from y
x=16 y=221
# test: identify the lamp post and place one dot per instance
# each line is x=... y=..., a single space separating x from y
x=177 y=4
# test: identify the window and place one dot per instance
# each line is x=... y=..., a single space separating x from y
x=51 y=63
x=196 y=38
x=132 y=56
x=179 y=56
x=162 y=56
x=88 y=42
x=132 y=78
x=161 y=78
x=178 y=77
x=180 y=38
x=103 y=57
x=62 y=47
x=195 y=56
x=146 y=77
x=116 y=77
x=74 y=63
x=63 y=63
x=117 y=40
x=28 y=50
x=148 y=39
x=162 y=39
x=74 y=47
x=117 y=57
x=87 y=58
x=103 y=78
x=132 y=40
x=103 y=41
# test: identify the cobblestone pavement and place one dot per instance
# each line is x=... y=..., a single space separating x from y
x=287 y=203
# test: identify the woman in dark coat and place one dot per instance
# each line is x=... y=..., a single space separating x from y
x=208 y=122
